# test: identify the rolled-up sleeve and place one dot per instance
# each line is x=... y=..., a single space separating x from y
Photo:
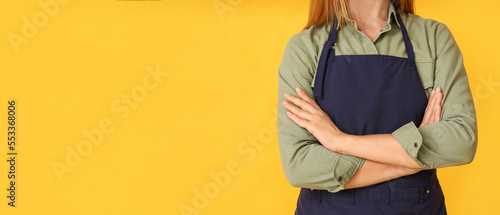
x=305 y=161
x=453 y=140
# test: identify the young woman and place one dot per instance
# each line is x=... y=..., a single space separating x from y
x=372 y=99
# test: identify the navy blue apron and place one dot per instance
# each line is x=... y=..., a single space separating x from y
x=373 y=94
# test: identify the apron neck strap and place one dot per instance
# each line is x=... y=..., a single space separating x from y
x=406 y=38
x=332 y=37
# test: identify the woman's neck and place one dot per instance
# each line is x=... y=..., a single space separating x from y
x=370 y=15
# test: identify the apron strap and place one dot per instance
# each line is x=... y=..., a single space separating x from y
x=318 y=84
x=332 y=37
x=407 y=41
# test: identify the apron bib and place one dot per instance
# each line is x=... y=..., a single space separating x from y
x=373 y=94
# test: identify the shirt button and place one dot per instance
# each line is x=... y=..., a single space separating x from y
x=415 y=144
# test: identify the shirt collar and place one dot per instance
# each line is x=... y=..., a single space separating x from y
x=390 y=17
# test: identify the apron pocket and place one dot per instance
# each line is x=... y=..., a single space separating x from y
x=410 y=201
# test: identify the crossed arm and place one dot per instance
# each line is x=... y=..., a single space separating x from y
x=319 y=157
x=385 y=158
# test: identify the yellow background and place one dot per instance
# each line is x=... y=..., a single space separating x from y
x=213 y=114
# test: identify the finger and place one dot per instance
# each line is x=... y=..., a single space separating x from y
x=433 y=118
x=432 y=102
x=437 y=109
x=435 y=101
x=426 y=114
x=428 y=108
x=437 y=113
x=299 y=121
x=435 y=98
x=302 y=94
x=297 y=111
x=423 y=123
x=439 y=96
x=300 y=102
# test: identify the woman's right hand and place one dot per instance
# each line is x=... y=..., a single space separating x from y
x=433 y=110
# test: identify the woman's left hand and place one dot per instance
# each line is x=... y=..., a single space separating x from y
x=311 y=117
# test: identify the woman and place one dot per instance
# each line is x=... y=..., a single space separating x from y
x=373 y=99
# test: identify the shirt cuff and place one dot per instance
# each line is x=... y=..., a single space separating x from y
x=410 y=139
x=344 y=168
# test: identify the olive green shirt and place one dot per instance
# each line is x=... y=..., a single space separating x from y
x=450 y=142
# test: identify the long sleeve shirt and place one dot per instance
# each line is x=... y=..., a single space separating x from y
x=450 y=142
